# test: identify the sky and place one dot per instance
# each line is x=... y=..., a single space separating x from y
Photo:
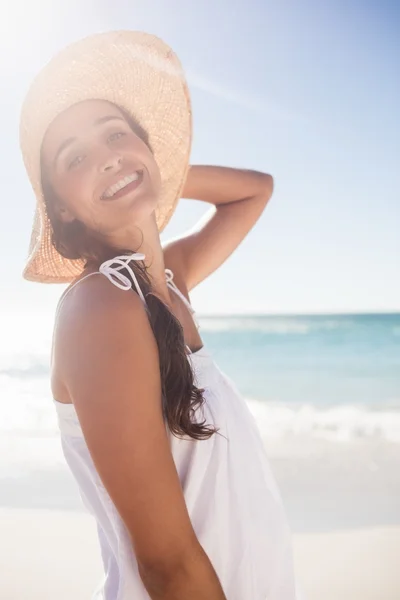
x=309 y=92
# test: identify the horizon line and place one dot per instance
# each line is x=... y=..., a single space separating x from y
x=305 y=314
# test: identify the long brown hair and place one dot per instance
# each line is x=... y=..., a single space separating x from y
x=181 y=397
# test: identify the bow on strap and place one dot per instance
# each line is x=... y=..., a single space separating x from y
x=112 y=272
x=169 y=276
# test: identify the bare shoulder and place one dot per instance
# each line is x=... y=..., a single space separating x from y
x=94 y=316
x=93 y=295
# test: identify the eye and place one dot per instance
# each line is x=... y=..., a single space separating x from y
x=75 y=162
x=116 y=136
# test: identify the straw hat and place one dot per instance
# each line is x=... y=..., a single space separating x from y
x=134 y=70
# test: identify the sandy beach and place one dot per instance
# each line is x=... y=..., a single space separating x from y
x=341 y=500
x=337 y=466
x=48 y=554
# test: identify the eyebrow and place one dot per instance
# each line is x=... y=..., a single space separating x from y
x=69 y=141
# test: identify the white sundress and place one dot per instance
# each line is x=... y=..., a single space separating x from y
x=231 y=494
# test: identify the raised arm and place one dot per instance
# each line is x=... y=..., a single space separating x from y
x=239 y=197
x=111 y=370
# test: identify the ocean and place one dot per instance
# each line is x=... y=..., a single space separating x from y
x=325 y=391
x=332 y=376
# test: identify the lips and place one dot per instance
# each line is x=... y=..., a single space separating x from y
x=123 y=186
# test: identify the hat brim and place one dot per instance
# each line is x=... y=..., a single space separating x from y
x=139 y=73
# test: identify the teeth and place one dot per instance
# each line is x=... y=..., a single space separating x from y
x=113 y=189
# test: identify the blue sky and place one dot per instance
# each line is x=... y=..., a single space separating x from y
x=308 y=92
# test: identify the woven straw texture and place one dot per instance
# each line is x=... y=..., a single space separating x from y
x=139 y=73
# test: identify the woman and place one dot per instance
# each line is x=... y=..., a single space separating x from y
x=166 y=454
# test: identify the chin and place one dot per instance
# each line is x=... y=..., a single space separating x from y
x=142 y=209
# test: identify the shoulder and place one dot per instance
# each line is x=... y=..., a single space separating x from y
x=97 y=319
x=96 y=297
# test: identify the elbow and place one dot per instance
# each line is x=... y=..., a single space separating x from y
x=154 y=577
x=160 y=576
x=265 y=186
x=159 y=565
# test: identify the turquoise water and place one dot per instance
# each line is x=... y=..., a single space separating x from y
x=325 y=391
x=331 y=377
x=323 y=360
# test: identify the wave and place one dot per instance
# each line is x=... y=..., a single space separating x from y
x=338 y=423
x=27 y=410
x=252 y=325
x=273 y=325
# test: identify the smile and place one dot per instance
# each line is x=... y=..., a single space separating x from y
x=123 y=186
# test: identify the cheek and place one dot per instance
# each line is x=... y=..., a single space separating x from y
x=76 y=191
x=136 y=149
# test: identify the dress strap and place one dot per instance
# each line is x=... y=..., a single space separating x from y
x=113 y=274
x=112 y=270
x=171 y=284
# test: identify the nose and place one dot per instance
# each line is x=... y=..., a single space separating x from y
x=112 y=162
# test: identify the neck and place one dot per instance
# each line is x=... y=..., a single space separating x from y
x=146 y=239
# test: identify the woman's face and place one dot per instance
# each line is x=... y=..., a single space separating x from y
x=102 y=172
